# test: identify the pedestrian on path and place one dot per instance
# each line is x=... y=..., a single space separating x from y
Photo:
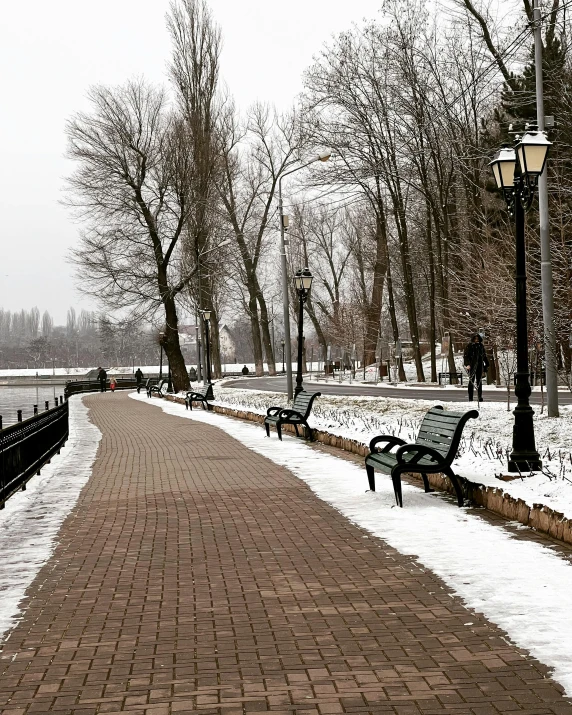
x=113 y=384
x=476 y=363
x=102 y=377
x=139 y=378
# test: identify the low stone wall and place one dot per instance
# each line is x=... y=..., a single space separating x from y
x=539 y=517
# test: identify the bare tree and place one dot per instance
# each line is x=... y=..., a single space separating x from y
x=194 y=73
x=253 y=160
x=130 y=190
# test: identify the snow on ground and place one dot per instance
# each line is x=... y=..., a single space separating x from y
x=31 y=520
x=520 y=585
x=484 y=446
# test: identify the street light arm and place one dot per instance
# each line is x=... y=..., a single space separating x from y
x=299 y=168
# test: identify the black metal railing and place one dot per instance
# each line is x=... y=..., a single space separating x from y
x=75 y=387
x=26 y=446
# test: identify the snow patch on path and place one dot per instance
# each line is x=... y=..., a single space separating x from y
x=521 y=586
x=31 y=520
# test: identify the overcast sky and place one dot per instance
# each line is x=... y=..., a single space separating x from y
x=51 y=52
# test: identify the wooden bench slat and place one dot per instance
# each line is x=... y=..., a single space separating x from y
x=433 y=424
x=436 y=420
x=442 y=434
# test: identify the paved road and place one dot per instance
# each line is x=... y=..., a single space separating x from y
x=278 y=384
x=187 y=580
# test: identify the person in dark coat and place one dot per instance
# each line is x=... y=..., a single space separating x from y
x=102 y=377
x=245 y=370
x=476 y=362
x=139 y=378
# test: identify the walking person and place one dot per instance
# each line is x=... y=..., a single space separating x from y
x=113 y=384
x=476 y=363
x=139 y=378
x=102 y=377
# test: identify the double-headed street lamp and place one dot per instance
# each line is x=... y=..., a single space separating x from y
x=303 y=282
x=207 y=317
x=169 y=380
x=516 y=170
x=161 y=338
x=284 y=221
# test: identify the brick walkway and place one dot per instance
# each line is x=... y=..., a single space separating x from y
x=187 y=580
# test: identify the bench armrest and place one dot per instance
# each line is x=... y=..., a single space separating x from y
x=418 y=451
x=287 y=413
x=271 y=411
x=389 y=438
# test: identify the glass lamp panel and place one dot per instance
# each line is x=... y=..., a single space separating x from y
x=496 y=173
x=506 y=168
x=534 y=157
x=307 y=281
x=298 y=281
x=206 y=314
x=532 y=152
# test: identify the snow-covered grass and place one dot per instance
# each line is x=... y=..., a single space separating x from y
x=518 y=584
x=483 y=450
x=31 y=519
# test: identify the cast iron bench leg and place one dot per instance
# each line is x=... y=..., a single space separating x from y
x=456 y=486
x=370 y=476
x=426 y=484
x=396 y=480
x=279 y=430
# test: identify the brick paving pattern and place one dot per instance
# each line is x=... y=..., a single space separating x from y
x=197 y=576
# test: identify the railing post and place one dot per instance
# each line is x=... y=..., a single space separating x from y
x=56 y=401
x=47 y=404
x=19 y=415
x=35 y=409
x=0 y=421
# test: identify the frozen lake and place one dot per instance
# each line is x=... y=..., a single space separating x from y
x=24 y=398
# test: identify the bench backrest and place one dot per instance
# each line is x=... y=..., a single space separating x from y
x=442 y=430
x=303 y=402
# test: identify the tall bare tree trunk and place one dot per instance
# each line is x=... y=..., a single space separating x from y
x=373 y=313
x=266 y=337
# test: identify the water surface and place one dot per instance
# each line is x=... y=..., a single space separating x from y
x=24 y=398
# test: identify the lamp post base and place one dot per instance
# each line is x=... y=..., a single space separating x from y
x=524 y=457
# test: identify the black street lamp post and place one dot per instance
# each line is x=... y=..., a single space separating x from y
x=516 y=171
x=207 y=317
x=161 y=338
x=282 y=343
x=303 y=282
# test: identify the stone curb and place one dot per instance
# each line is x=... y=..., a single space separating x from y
x=494 y=499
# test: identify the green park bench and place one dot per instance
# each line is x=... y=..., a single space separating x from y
x=155 y=388
x=296 y=415
x=202 y=395
x=432 y=452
